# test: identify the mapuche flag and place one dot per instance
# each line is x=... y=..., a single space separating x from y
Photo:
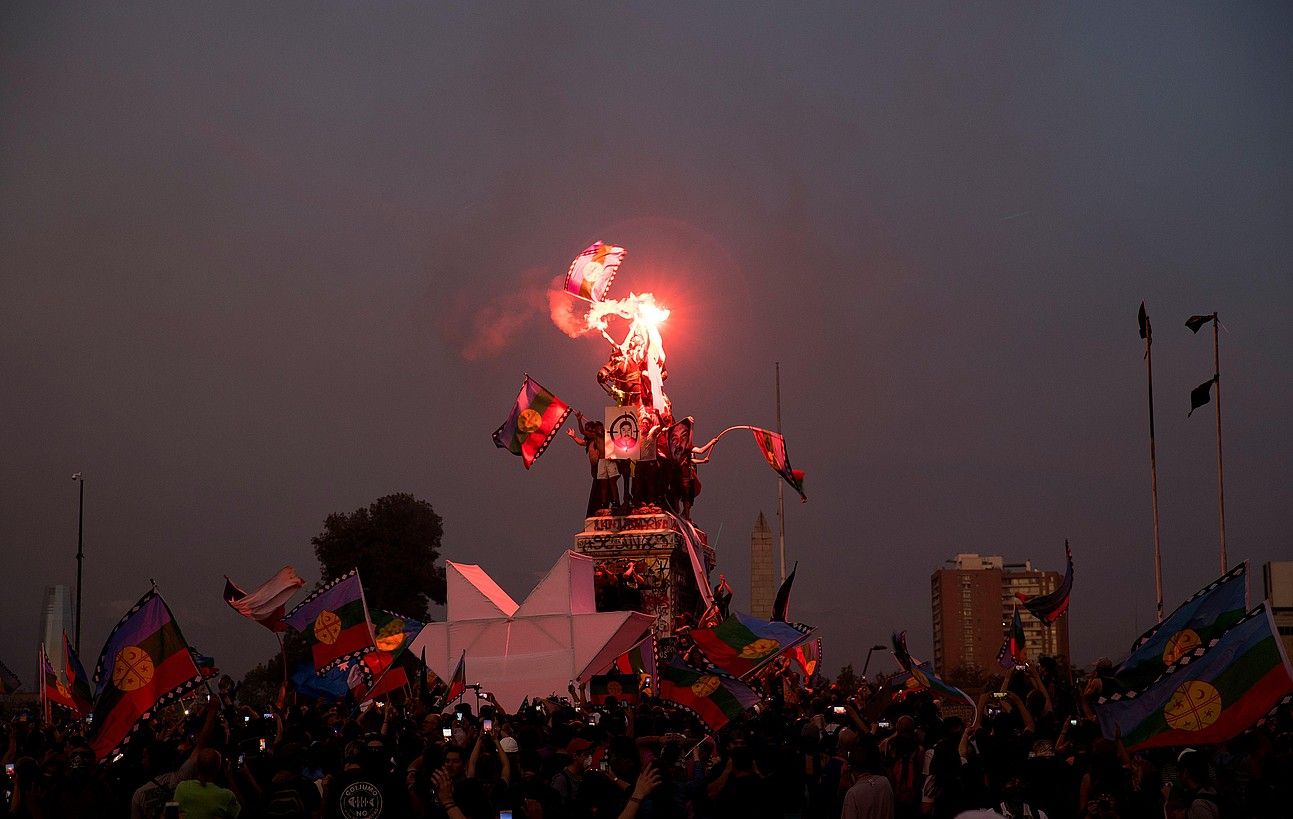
x=334 y=622
x=457 y=682
x=591 y=273
x=536 y=417
x=267 y=604
x=742 y=643
x=145 y=662
x=773 y=446
x=1210 y=694
x=391 y=665
x=715 y=698
x=78 y=682
x=1206 y=615
x=1048 y=607
x=922 y=675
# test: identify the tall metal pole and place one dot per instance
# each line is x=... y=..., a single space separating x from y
x=79 y=477
x=1148 y=335
x=781 y=490
x=1221 y=475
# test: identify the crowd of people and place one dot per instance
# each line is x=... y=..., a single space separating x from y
x=853 y=749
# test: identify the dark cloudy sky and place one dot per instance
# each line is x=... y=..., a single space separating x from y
x=260 y=263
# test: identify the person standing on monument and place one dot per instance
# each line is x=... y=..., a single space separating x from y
x=604 y=494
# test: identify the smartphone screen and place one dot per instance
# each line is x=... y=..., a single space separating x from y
x=489 y=725
x=839 y=709
x=1001 y=695
x=504 y=814
x=448 y=732
x=9 y=768
x=263 y=743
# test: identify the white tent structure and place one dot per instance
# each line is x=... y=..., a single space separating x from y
x=534 y=649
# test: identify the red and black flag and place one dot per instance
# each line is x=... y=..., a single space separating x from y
x=773 y=446
x=145 y=662
x=1012 y=651
x=1201 y=395
x=1050 y=606
x=781 y=606
x=78 y=682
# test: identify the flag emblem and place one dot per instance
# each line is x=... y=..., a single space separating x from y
x=614 y=689
x=1181 y=643
x=133 y=669
x=1194 y=706
x=919 y=677
x=391 y=635
x=529 y=421
x=327 y=627
x=759 y=649
x=705 y=685
x=62 y=689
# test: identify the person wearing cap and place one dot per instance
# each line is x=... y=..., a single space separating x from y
x=566 y=782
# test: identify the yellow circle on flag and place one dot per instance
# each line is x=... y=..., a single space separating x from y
x=1194 y=706
x=528 y=421
x=1180 y=644
x=759 y=648
x=705 y=686
x=919 y=677
x=62 y=689
x=391 y=636
x=327 y=627
x=614 y=689
x=132 y=669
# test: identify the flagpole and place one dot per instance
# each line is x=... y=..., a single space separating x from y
x=781 y=489
x=1221 y=480
x=1153 y=466
x=79 y=477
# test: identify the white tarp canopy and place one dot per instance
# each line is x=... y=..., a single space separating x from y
x=535 y=649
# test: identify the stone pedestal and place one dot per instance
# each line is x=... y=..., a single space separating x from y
x=642 y=565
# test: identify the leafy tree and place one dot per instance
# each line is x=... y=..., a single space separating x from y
x=394 y=543
x=848 y=679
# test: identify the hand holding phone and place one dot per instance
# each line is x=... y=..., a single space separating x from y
x=488 y=725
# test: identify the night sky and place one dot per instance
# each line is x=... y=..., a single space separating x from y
x=260 y=263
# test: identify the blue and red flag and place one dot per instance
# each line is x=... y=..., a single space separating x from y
x=458 y=682
x=1050 y=606
x=145 y=662
x=334 y=622
x=1012 y=651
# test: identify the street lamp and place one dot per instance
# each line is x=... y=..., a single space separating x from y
x=79 y=477
x=868 y=658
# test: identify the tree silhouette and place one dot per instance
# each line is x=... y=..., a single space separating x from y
x=394 y=542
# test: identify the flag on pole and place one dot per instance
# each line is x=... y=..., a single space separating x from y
x=1208 y=695
x=206 y=665
x=267 y=604
x=714 y=697
x=591 y=273
x=781 y=606
x=1143 y=319
x=1205 y=616
x=536 y=417
x=809 y=657
x=9 y=681
x=742 y=643
x=145 y=662
x=773 y=446
x=922 y=674
x=458 y=682
x=1201 y=395
x=55 y=691
x=333 y=619
x=623 y=687
x=1050 y=606
x=1012 y=651
x=1196 y=322
x=77 y=680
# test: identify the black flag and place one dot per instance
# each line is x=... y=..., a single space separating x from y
x=1143 y=318
x=781 y=606
x=1201 y=395
x=1195 y=322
